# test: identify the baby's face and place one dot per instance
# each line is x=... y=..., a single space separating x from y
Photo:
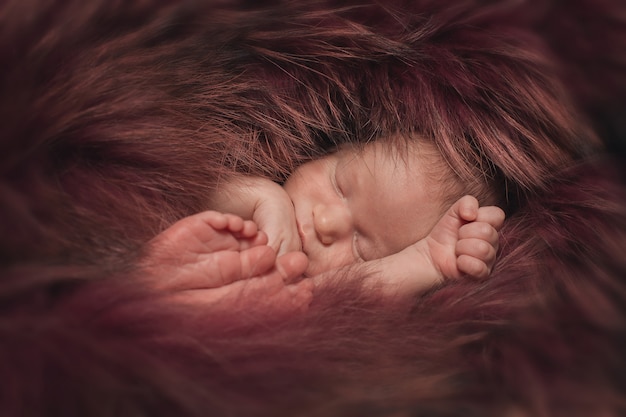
x=355 y=206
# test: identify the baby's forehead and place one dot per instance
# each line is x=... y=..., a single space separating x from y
x=410 y=154
x=383 y=168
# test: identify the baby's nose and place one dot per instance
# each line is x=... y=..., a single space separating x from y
x=332 y=222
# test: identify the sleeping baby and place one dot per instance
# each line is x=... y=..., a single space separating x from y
x=398 y=212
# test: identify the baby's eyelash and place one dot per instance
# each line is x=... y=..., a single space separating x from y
x=355 y=247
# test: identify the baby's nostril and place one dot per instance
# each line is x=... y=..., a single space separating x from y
x=325 y=239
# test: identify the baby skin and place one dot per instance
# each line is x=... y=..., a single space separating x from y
x=463 y=243
x=221 y=257
x=222 y=260
x=373 y=209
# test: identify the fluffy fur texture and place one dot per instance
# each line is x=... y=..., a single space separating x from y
x=119 y=118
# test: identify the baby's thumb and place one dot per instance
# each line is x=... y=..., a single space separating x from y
x=466 y=208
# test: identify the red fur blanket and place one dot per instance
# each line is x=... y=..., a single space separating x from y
x=118 y=118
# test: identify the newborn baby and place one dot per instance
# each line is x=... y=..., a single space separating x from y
x=401 y=214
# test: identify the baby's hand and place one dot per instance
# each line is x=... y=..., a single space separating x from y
x=478 y=240
x=274 y=214
x=278 y=221
x=267 y=204
x=465 y=240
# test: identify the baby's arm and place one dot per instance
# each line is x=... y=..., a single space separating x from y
x=264 y=202
x=463 y=243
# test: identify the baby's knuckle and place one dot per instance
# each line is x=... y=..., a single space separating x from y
x=474 y=267
x=485 y=230
x=483 y=248
x=479 y=268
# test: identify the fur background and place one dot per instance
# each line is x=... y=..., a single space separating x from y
x=118 y=118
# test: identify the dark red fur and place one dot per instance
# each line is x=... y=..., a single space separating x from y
x=119 y=118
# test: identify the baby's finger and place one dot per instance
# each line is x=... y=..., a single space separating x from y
x=473 y=267
x=476 y=248
x=467 y=208
x=491 y=214
x=480 y=230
